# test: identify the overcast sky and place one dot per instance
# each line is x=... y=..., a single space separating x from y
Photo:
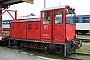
x=80 y=6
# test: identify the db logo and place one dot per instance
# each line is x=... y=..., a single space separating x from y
x=45 y=26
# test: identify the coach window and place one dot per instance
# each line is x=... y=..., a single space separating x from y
x=85 y=20
x=57 y=16
x=46 y=17
x=2 y=22
x=77 y=20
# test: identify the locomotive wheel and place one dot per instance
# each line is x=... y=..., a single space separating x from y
x=22 y=45
x=46 y=51
x=68 y=51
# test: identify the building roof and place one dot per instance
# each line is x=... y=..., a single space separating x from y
x=10 y=2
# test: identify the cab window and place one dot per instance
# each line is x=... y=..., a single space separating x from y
x=57 y=16
x=46 y=17
x=67 y=19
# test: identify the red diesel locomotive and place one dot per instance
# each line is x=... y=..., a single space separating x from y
x=51 y=33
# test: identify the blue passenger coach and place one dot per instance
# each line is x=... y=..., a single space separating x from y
x=82 y=24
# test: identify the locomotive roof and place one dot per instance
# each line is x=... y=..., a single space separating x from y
x=83 y=13
x=25 y=20
x=55 y=7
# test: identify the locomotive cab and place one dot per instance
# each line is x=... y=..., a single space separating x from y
x=56 y=28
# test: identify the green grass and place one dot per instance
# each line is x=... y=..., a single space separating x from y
x=65 y=59
x=85 y=48
x=52 y=56
x=80 y=57
x=21 y=51
x=84 y=36
x=45 y=55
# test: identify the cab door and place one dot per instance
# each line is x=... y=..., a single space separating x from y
x=46 y=26
x=59 y=26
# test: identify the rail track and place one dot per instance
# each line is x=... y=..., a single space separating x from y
x=82 y=54
x=85 y=40
x=78 y=53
